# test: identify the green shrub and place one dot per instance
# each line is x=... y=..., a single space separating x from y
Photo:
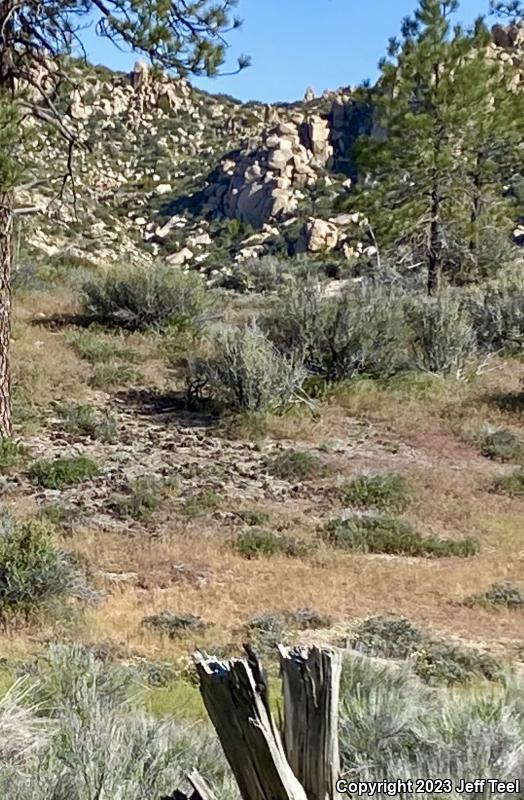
x=513 y=484
x=83 y=420
x=387 y=492
x=502 y=445
x=498 y=314
x=265 y=274
x=11 y=453
x=383 y=534
x=154 y=297
x=174 y=625
x=445 y=340
x=500 y=594
x=253 y=517
x=114 y=376
x=59 y=516
x=141 y=501
x=256 y=543
x=203 y=502
x=33 y=571
x=247 y=373
x=62 y=472
x=295 y=465
x=435 y=661
x=98 y=349
x=361 y=331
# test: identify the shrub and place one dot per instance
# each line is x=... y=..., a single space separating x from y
x=255 y=543
x=155 y=297
x=361 y=331
x=387 y=492
x=91 y=740
x=513 y=484
x=433 y=660
x=295 y=465
x=265 y=274
x=203 y=502
x=253 y=517
x=383 y=534
x=82 y=420
x=143 y=499
x=62 y=472
x=501 y=445
x=11 y=453
x=99 y=349
x=267 y=629
x=498 y=314
x=33 y=571
x=445 y=338
x=248 y=373
x=174 y=625
x=500 y=594
x=113 y=376
x=386 y=637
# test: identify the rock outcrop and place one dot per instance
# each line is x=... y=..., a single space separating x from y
x=262 y=183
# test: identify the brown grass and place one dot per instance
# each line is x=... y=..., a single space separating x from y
x=417 y=427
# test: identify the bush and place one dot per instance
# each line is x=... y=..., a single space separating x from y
x=11 y=453
x=155 y=297
x=506 y=595
x=255 y=543
x=361 y=331
x=253 y=517
x=248 y=373
x=91 y=741
x=33 y=571
x=174 y=625
x=382 y=534
x=433 y=660
x=82 y=420
x=391 y=724
x=445 y=339
x=513 y=484
x=143 y=499
x=265 y=274
x=498 y=314
x=114 y=376
x=501 y=445
x=62 y=472
x=383 y=492
x=295 y=465
x=98 y=349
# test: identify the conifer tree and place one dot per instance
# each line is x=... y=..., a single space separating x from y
x=446 y=128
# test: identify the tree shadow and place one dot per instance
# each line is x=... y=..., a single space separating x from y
x=168 y=407
x=512 y=402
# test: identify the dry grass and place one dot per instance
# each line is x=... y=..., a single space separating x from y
x=417 y=427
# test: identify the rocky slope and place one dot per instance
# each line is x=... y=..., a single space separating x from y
x=163 y=170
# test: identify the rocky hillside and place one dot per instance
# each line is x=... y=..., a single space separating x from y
x=163 y=170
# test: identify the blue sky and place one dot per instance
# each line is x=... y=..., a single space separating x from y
x=300 y=43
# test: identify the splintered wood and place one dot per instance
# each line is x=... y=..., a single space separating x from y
x=304 y=764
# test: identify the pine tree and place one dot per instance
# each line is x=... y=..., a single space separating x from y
x=186 y=36
x=449 y=128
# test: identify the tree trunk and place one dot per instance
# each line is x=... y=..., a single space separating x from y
x=6 y=228
x=434 y=252
x=240 y=713
x=476 y=208
x=311 y=680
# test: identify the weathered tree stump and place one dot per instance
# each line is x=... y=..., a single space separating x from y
x=311 y=682
x=249 y=738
